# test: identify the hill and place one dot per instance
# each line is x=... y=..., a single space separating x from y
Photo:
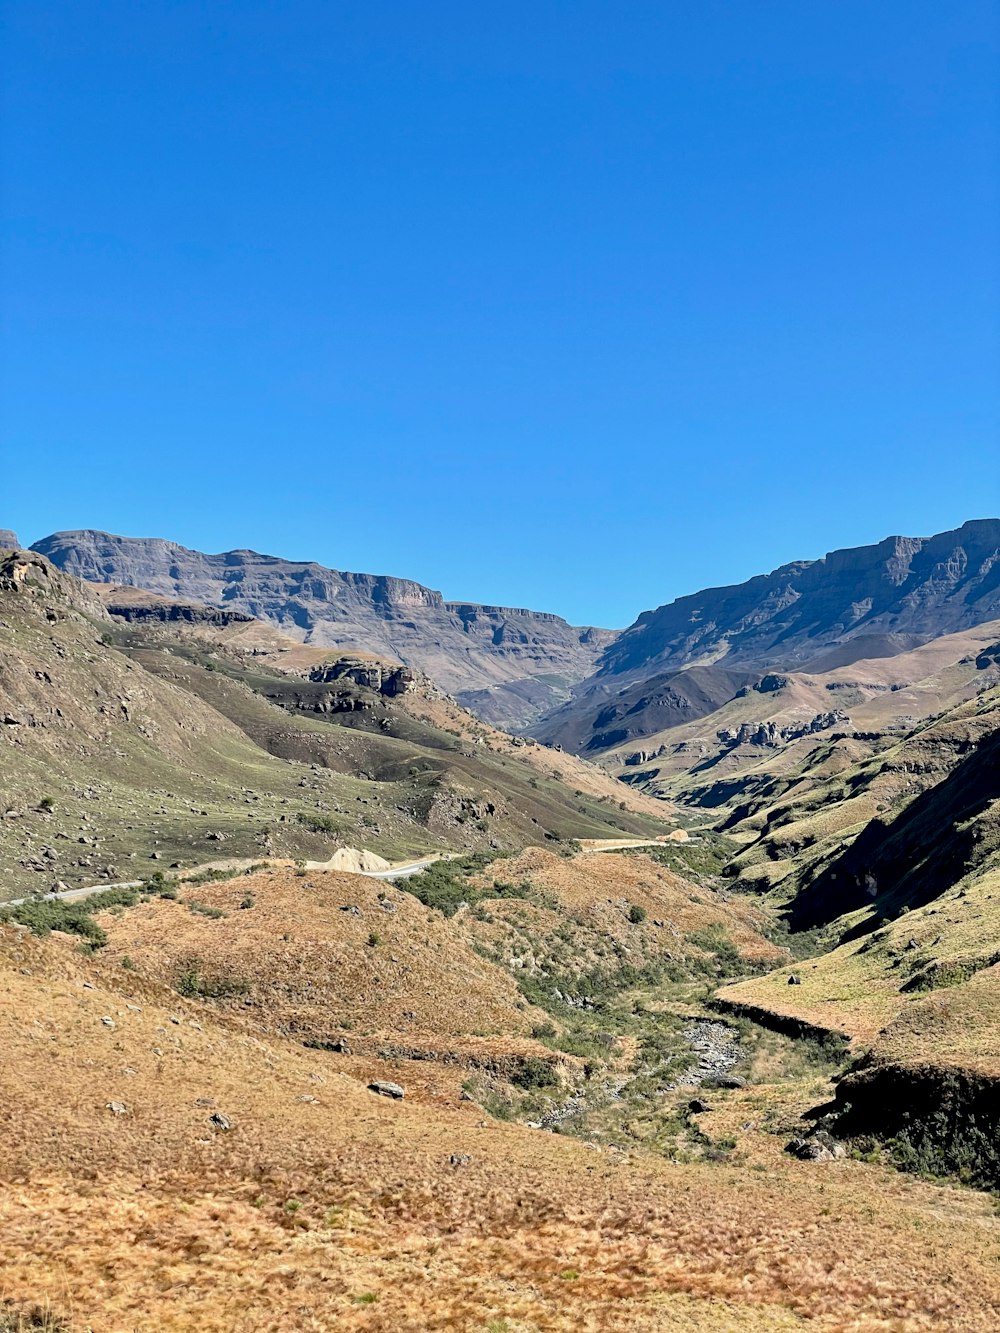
x=506 y=664
x=185 y=746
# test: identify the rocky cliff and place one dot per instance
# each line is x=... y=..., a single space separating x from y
x=506 y=663
x=903 y=591
x=866 y=602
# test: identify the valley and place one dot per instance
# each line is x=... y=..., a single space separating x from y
x=375 y=1015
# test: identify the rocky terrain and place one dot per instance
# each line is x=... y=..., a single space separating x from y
x=700 y=1036
x=505 y=663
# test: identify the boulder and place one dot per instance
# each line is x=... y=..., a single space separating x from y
x=387 y=1090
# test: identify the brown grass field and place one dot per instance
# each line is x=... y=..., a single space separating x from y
x=326 y=1207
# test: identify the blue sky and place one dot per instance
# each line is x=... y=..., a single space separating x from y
x=579 y=306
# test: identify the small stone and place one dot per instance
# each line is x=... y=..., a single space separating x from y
x=108 y=1022
x=220 y=1122
x=305 y=1098
x=116 y=1108
x=794 y=980
x=459 y=1159
x=697 y=1106
x=205 y=1101
x=387 y=1090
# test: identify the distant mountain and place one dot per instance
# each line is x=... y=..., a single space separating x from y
x=508 y=665
x=676 y=662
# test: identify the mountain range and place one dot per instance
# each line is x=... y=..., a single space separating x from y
x=261 y=892
x=507 y=664
x=583 y=688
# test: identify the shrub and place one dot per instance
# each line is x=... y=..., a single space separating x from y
x=317 y=823
x=534 y=1072
x=205 y=909
x=636 y=914
x=194 y=986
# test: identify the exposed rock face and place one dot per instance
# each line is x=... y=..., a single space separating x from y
x=506 y=663
x=8 y=540
x=372 y=674
x=910 y=587
x=871 y=601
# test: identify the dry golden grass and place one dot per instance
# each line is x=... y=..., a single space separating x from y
x=327 y=1207
x=860 y=988
x=298 y=964
x=597 y=889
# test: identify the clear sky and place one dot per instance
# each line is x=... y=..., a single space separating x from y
x=579 y=306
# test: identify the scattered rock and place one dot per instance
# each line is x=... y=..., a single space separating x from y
x=795 y=980
x=116 y=1108
x=698 y=1106
x=108 y=1021
x=387 y=1090
x=817 y=1147
x=220 y=1122
x=459 y=1159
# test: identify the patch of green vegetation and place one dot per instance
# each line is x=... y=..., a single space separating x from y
x=205 y=909
x=194 y=985
x=727 y=961
x=319 y=823
x=43 y=915
x=444 y=885
x=534 y=1072
x=701 y=859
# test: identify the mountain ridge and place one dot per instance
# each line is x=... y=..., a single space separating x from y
x=866 y=601
x=514 y=663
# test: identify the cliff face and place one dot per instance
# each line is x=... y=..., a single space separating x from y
x=507 y=663
x=867 y=602
x=903 y=590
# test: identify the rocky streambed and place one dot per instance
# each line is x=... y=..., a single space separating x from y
x=717 y=1050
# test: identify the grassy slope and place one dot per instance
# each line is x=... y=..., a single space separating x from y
x=325 y=1206
x=190 y=764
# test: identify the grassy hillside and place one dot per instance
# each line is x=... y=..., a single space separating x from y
x=188 y=751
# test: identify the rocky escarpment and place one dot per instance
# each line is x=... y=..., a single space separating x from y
x=810 y=615
x=904 y=590
x=8 y=540
x=384 y=678
x=509 y=664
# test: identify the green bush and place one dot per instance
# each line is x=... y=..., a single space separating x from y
x=194 y=986
x=534 y=1072
x=317 y=823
